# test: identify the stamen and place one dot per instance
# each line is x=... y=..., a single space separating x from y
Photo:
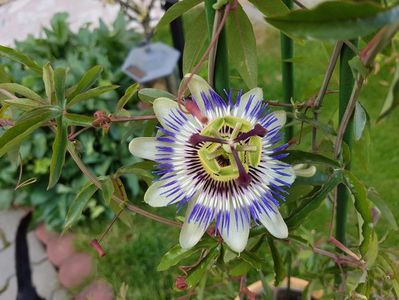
x=196 y=138
x=258 y=130
x=243 y=178
x=193 y=109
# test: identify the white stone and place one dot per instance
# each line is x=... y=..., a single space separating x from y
x=10 y=292
x=9 y=221
x=7 y=265
x=60 y=294
x=45 y=279
x=36 y=249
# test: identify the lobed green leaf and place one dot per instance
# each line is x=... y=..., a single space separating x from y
x=87 y=80
x=149 y=95
x=59 y=86
x=278 y=264
x=48 y=79
x=129 y=93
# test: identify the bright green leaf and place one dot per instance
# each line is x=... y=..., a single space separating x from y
x=21 y=90
x=241 y=43
x=199 y=271
x=336 y=20
x=107 y=189
x=129 y=93
x=20 y=58
x=79 y=204
x=22 y=103
x=92 y=93
x=195 y=41
x=362 y=206
x=48 y=79
x=302 y=157
x=59 y=85
x=359 y=121
x=271 y=7
x=278 y=264
x=59 y=151
x=176 y=11
x=392 y=99
x=252 y=259
x=28 y=123
x=78 y=120
x=87 y=80
x=386 y=212
x=312 y=201
x=149 y=95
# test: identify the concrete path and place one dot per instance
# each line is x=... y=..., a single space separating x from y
x=44 y=274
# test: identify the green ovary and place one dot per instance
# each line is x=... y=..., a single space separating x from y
x=217 y=159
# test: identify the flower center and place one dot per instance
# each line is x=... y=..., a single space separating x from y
x=229 y=146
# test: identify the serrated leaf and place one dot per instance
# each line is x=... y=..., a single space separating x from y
x=195 y=42
x=359 y=121
x=20 y=58
x=92 y=93
x=129 y=93
x=383 y=207
x=22 y=103
x=335 y=20
x=241 y=43
x=176 y=11
x=87 y=80
x=28 y=123
x=199 y=271
x=48 y=80
x=302 y=157
x=313 y=200
x=59 y=85
x=392 y=99
x=21 y=90
x=149 y=95
x=78 y=120
x=271 y=7
x=278 y=264
x=79 y=204
x=58 y=154
x=362 y=206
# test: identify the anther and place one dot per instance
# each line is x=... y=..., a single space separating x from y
x=258 y=130
x=196 y=138
x=243 y=177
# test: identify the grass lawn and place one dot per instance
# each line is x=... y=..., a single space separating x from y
x=133 y=254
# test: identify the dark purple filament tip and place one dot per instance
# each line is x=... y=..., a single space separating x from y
x=243 y=177
x=258 y=130
x=196 y=138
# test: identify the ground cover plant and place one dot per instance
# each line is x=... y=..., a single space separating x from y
x=344 y=248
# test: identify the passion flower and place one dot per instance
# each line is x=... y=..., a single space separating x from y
x=221 y=161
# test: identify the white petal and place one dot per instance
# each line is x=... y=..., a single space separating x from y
x=274 y=223
x=144 y=147
x=191 y=232
x=281 y=116
x=236 y=237
x=255 y=94
x=197 y=85
x=156 y=195
x=162 y=108
x=289 y=179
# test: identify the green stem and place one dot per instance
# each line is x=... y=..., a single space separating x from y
x=287 y=70
x=221 y=71
x=346 y=83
